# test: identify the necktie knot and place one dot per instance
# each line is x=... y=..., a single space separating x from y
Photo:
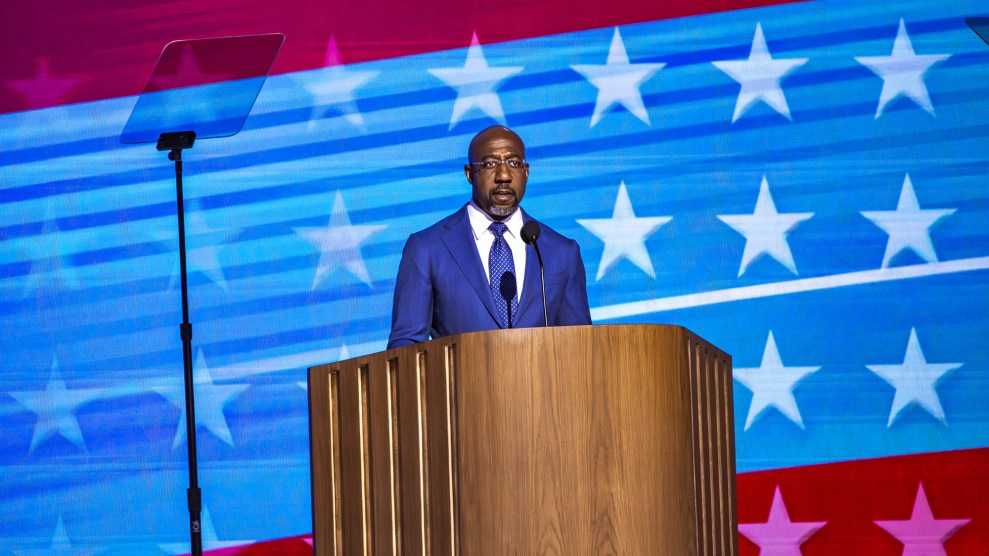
x=498 y=228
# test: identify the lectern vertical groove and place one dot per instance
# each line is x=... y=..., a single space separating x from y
x=569 y=440
x=423 y=447
x=333 y=432
x=702 y=517
x=393 y=520
x=448 y=527
x=364 y=433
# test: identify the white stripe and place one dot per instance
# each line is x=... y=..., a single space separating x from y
x=297 y=361
x=621 y=310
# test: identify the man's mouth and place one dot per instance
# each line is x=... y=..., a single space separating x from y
x=503 y=195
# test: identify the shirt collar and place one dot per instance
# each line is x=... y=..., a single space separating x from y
x=480 y=221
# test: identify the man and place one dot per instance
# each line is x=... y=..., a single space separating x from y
x=471 y=271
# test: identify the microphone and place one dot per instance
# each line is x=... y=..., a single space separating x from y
x=508 y=286
x=530 y=233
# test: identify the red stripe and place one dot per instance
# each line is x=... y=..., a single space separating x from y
x=107 y=48
x=851 y=496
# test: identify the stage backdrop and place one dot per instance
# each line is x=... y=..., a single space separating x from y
x=803 y=184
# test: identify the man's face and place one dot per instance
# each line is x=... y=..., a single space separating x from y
x=498 y=190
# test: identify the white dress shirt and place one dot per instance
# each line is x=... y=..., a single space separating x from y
x=484 y=239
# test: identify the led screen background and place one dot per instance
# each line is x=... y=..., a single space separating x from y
x=826 y=225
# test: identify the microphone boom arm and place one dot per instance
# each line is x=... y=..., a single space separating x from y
x=542 y=282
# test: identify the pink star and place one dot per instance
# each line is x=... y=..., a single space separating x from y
x=188 y=70
x=44 y=89
x=922 y=535
x=332 y=57
x=779 y=536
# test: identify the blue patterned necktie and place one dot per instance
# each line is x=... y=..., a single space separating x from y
x=504 y=286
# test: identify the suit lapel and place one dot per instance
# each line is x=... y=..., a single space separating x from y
x=459 y=240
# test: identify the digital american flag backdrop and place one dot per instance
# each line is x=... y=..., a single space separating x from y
x=803 y=184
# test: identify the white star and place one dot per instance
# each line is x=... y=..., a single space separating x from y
x=344 y=355
x=779 y=536
x=60 y=544
x=914 y=381
x=760 y=77
x=922 y=535
x=55 y=407
x=765 y=230
x=52 y=250
x=202 y=245
x=902 y=72
x=475 y=84
x=210 y=400
x=908 y=226
x=339 y=243
x=618 y=81
x=772 y=385
x=624 y=235
x=211 y=541
x=333 y=87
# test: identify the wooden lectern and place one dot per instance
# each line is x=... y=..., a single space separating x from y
x=569 y=441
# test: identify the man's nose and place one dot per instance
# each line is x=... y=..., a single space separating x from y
x=503 y=173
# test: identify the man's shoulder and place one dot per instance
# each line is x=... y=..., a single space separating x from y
x=546 y=233
x=443 y=225
x=447 y=222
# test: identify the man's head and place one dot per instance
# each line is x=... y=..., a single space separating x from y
x=497 y=170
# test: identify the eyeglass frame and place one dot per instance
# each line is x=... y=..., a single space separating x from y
x=494 y=164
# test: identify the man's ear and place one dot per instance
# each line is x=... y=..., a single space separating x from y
x=467 y=169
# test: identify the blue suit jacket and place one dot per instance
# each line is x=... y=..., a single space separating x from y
x=441 y=287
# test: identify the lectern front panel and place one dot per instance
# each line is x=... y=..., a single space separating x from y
x=570 y=440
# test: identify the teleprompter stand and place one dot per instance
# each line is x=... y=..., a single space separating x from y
x=199 y=88
x=174 y=143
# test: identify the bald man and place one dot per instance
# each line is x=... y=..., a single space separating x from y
x=471 y=271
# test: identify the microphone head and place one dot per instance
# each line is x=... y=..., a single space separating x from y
x=530 y=232
x=508 y=286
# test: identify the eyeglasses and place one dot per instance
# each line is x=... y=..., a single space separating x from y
x=491 y=165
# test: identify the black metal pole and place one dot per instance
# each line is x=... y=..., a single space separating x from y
x=194 y=495
x=542 y=281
